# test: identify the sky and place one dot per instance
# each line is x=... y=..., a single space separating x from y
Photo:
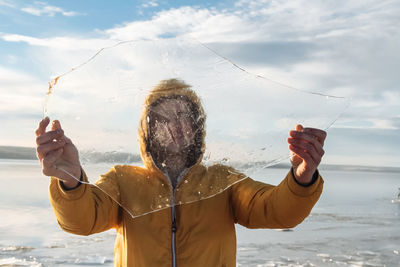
x=342 y=48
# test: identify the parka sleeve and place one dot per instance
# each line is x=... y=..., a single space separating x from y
x=86 y=209
x=259 y=205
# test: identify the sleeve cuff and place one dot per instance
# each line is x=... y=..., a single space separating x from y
x=73 y=193
x=303 y=190
x=314 y=178
x=69 y=189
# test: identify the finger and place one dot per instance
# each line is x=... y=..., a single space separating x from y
x=318 y=133
x=299 y=127
x=52 y=157
x=42 y=126
x=55 y=125
x=308 y=148
x=302 y=154
x=49 y=136
x=300 y=136
x=43 y=150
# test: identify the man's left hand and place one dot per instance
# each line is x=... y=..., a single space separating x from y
x=306 y=151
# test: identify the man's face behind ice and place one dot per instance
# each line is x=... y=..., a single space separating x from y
x=172 y=125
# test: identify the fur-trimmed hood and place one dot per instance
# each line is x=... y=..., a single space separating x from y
x=166 y=89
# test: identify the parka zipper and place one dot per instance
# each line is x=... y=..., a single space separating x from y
x=173 y=232
x=173 y=217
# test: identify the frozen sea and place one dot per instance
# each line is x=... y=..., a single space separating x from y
x=355 y=223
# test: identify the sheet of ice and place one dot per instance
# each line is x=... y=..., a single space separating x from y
x=248 y=116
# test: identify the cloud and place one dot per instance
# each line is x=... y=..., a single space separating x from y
x=150 y=4
x=390 y=123
x=6 y=3
x=43 y=9
x=20 y=91
x=21 y=102
x=276 y=53
x=205 y=24
x=59 y=43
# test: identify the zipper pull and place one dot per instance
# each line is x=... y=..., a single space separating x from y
x=173 y=226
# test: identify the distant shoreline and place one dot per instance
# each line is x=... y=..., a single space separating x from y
x=29 y=153
x=338 y=167
x=17 y=152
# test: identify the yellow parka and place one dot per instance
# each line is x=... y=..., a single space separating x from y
x=204 y=231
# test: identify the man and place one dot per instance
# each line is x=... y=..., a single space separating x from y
x=200 y=233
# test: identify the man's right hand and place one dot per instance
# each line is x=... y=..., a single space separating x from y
x=55 y=152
